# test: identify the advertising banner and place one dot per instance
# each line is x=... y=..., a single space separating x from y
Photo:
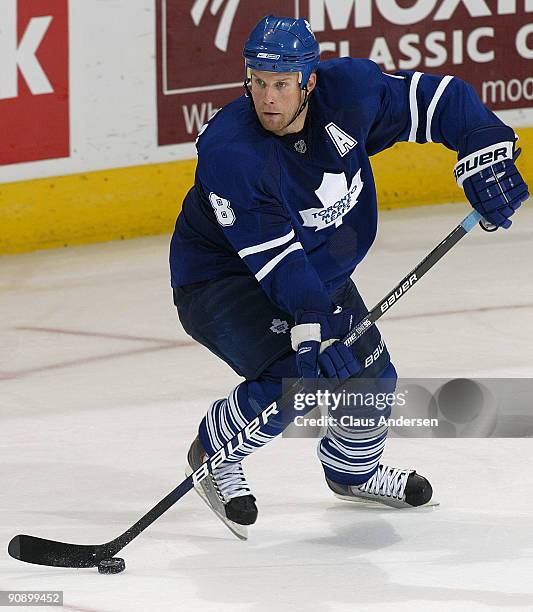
x=489 y=43
x=34 y=87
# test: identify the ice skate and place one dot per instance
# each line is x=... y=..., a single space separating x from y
x=225 y=491
x=390 y=487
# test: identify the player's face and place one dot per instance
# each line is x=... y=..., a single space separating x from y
x=277 y=98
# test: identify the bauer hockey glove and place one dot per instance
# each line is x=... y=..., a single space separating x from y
x=315 y=338
x=487 y=172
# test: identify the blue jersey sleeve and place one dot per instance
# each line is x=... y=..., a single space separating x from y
x=421 y=108
x=243 y=193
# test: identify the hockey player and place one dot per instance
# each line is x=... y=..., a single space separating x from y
x=282 y=210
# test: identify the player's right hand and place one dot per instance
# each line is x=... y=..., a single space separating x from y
x=315 y=338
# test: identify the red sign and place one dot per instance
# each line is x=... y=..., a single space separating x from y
x=489 y=43
x=34 y=88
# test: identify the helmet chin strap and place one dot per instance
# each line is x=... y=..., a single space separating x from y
x=300 y=110
x=296 y=115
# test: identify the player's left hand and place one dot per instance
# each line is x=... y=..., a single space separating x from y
x=497 y=192
x=488 y=174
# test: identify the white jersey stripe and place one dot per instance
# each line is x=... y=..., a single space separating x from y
x=413 y=103
x=275 y=260
x=266 y=246
x=433 y=106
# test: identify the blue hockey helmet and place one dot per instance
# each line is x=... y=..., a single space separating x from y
x=282 y=44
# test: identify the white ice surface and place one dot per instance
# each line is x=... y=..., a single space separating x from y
x=101 y=392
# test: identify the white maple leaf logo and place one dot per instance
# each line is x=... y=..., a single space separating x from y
x=338 y=200
x=279 y=326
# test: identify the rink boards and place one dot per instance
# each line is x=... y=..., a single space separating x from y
x=145 y=200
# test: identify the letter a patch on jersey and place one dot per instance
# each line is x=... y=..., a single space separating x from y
x=342 y=141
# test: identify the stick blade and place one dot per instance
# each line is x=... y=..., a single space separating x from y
x=49 y=552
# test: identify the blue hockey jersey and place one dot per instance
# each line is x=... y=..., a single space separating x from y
x=299 y=212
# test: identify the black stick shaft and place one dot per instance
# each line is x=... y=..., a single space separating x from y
x=413 y=277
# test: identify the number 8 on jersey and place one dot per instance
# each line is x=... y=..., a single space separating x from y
x=223 y=211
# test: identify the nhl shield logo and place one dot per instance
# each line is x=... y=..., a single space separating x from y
x=279 y=327
x=301 y=147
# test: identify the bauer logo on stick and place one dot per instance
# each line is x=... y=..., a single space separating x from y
x=227 y=450
x=404 y=287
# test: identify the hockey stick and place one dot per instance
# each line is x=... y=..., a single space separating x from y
x=61 y=554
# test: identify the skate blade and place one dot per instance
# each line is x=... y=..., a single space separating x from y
x=241 y=531
x=373 y=503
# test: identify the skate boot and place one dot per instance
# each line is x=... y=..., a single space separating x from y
x=225 y=491
x=389 y=486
